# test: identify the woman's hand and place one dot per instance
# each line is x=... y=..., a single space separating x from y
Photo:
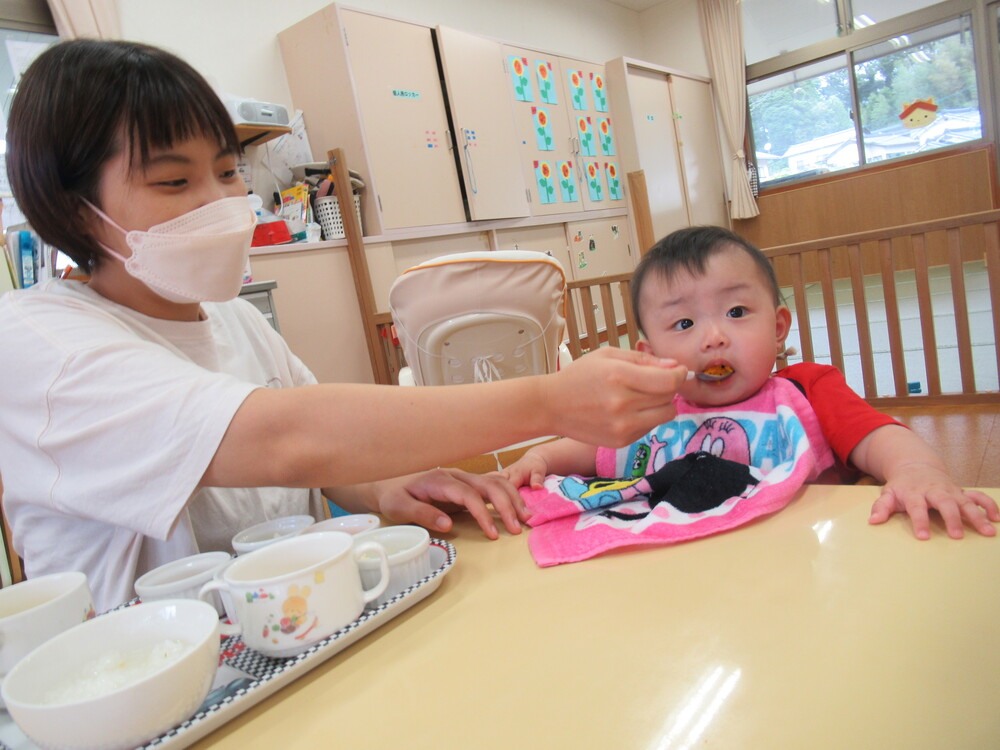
x=613 y=396
x=428 y=497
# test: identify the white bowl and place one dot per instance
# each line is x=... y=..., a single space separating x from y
x=354 y=523
x=408 y=551
x=270 y=532
x=52 y=694
x=183 y=578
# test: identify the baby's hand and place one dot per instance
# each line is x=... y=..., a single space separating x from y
x=529 y=470
x=917 y=487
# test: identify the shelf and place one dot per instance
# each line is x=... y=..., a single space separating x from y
x=254 y=135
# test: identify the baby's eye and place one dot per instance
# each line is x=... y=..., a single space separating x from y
x=228 y=174
x=737 y=312
x=172 y=183
x=682 y=325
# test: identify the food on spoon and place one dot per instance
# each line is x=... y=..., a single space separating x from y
x=718 y=371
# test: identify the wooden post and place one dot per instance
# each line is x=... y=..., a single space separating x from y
x=359 y=264
x=640 y=210
x=13 y=561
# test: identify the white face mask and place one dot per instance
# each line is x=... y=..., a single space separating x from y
x=199 y=256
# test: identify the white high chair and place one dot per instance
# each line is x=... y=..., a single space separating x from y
x=480 y=316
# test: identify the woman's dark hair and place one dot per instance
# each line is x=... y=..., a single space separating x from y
x=76 y=106
x=689 y=250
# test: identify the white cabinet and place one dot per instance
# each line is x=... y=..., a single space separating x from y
x=599 y=247
x=484 y=123
x=594 y=140
x=667 y=127
x=447 y=127
x=370 y=86
x=565 y=132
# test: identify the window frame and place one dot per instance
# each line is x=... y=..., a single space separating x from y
x=987 y=68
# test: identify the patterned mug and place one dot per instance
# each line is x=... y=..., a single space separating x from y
x=296 y=592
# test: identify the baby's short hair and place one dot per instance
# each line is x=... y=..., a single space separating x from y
x=689 y=249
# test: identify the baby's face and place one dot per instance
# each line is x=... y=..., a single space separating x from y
x=725 y=318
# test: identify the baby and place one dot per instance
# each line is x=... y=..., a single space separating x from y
x=710 y=300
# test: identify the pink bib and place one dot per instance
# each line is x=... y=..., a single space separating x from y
x=706 y=471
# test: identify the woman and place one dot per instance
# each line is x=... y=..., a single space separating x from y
x=147 y=414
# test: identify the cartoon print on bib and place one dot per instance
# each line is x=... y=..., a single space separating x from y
x=704 y=472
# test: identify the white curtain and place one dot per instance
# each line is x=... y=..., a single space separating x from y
x=722 y=29
x=97 y=19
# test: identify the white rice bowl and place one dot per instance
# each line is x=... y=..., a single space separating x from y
x=117 y=680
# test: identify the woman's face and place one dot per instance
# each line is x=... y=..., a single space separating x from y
x=725 y=316
x=173 y=181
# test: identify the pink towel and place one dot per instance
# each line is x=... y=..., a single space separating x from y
x=706 y=471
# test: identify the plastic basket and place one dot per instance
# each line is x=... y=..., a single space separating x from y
x=328 y=213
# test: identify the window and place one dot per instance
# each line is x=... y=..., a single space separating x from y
x=17 y=51
x=918 y=92
x=802 y=122
x=874 y=100
x=776 y=27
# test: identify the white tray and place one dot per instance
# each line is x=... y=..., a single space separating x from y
x=262 y=675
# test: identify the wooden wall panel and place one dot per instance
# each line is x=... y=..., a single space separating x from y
x=952 y=184
x=958 y=182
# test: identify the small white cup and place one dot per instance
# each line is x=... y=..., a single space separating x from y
x=269 y=532
x=183 y=578
x=408 y=548
x=355 y=523
x=33 y=611
x=295 y=592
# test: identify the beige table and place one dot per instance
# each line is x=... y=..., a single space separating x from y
x=808 y=629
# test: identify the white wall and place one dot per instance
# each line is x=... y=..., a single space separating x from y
x=670 y=35
x=234 y=43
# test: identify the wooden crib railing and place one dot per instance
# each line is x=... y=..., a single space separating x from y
x=880 y=257
x=592 y=334
x=867 y=268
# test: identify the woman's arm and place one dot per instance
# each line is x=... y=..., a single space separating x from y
x=343 y=434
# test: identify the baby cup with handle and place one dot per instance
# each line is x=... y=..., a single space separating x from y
x=296 y=592
x=33 y=611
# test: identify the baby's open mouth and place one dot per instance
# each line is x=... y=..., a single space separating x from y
x=715 y=373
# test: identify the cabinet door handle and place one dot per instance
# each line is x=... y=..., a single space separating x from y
x=451 y=139
x=468 y=161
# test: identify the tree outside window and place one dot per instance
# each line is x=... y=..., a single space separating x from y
x=915 y=92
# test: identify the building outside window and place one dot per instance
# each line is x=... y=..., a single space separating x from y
x=884 y=89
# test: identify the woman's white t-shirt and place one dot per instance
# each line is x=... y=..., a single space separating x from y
x=109 y=419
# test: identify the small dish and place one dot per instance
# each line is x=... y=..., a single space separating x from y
x=355 y=523
x=269 y=532
x=183 y=578
x=408 y=551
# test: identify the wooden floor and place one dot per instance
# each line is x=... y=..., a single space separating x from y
x=967 y=437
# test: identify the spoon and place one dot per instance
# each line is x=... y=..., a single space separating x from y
x=706 y=377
